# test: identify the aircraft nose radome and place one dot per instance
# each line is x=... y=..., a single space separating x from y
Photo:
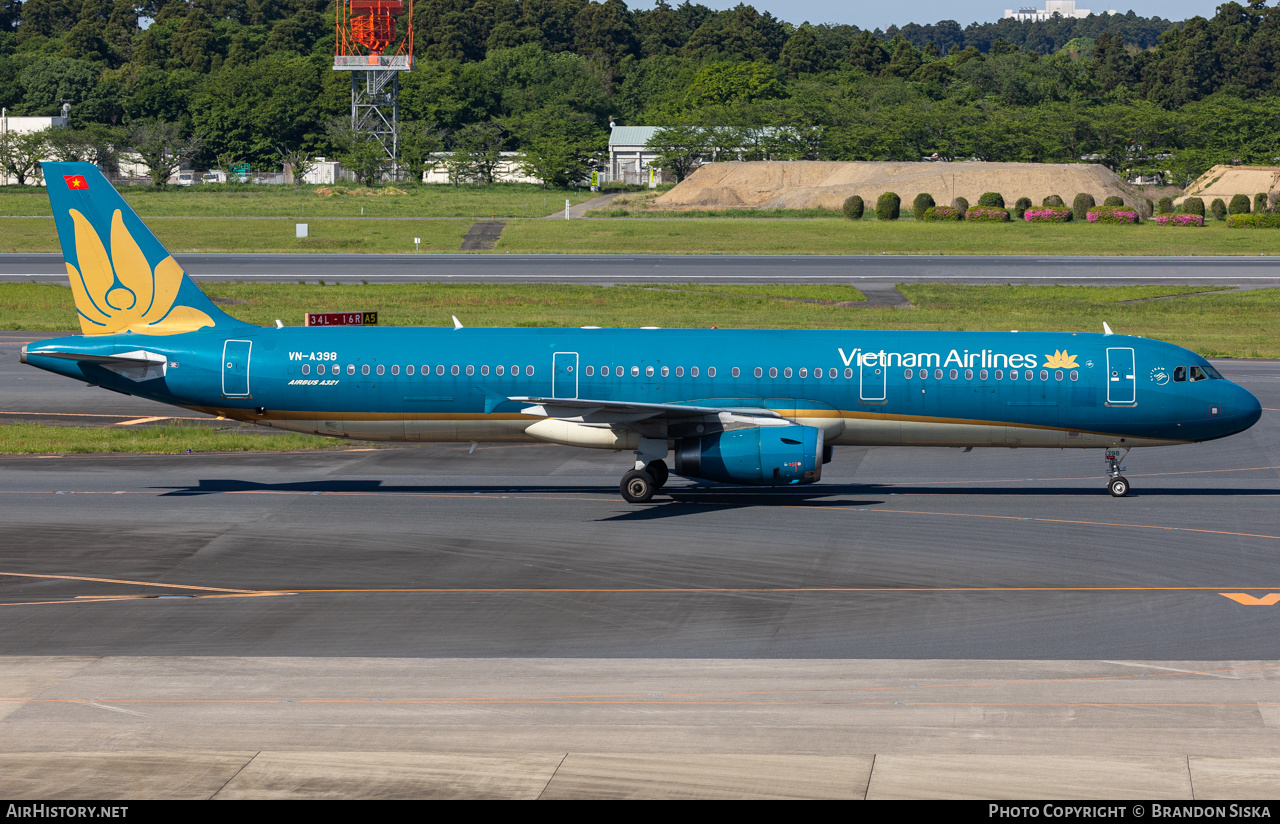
x=23 y=355
x=1249 y=408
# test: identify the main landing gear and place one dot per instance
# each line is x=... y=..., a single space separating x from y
x=1118 y=485
x=638 y=485
x=650 y=473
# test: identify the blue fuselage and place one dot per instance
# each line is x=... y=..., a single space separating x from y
x=862 y=387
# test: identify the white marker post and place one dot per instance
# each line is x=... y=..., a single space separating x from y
x=566 y=208
x=416 y=242
x=301 y=229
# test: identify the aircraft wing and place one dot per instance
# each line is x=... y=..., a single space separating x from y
x=587 y=410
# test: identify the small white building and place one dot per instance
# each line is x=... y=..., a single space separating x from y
x=27 y=125
x=1052 y=9
x=509 y=169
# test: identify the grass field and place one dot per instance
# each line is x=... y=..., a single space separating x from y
x=262 y=235
x=28 y=438
x=821 y=236
x=403 y=200
x=818 y=236
x=1238 y=324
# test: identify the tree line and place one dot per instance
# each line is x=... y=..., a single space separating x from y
x=252 y=80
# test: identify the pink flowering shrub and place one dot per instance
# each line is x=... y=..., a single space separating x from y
x=986 y=213
x=1047 y=214
x=942 y=213
x=1180 y=220
x=1113 y=215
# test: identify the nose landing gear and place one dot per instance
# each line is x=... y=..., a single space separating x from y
x=1118 y=485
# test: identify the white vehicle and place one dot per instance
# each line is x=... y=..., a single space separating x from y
x=186 y=178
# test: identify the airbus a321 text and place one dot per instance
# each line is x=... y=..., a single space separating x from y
x=756 y=407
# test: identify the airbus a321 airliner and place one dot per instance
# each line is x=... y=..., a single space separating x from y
x=757 y=407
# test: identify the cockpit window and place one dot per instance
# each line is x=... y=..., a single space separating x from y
x=1212 y=373
x=1197 y=374
x=1179 y=374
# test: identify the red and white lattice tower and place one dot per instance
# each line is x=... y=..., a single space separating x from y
x=375 y=44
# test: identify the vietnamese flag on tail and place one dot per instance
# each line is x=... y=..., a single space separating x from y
x=76 y=181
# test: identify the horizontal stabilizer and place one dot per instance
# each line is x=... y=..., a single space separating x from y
x=138 y=365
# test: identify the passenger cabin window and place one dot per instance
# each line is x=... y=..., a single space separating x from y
x=954 y=373
x=619 y=371
x=471 y=370
x=999 y=374
x=501 y=370
x=759 y=373
x=306 y=369
x=666 y=370
x=1074 y=374
x=937 y=374
x=773 y=371
x=711 y=371
x=440 y=369
x=909 y=374
x=1044 y=374
x=591 y=370
x=982 y=375
x=1029 y=374
x=735 y=371
x=786 y=373
x=408 y=370
x=528 y=370
x=804 y=373
x=648 y=371
x=351 y=369
x=968 y=374
x=679 y=371
x=484 y=370
x=453 y=370
x=635 y=371
x=382 y=370
x=693 y=371
x=848 y=373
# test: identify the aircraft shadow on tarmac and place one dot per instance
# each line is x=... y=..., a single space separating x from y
x=832 y=495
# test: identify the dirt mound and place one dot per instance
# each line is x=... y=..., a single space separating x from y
x=386 y=191
x=1227 y=181
x=805 y=184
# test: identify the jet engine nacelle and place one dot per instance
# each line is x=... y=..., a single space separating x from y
x=762 y=456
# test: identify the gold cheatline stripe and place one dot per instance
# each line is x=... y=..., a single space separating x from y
x=292 y=415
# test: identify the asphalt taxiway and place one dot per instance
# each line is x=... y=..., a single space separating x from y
x=1248 y=272
x=425 y=622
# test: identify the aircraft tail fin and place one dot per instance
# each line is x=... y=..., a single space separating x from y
x=123 y=279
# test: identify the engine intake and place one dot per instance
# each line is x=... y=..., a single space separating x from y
x=763 y=456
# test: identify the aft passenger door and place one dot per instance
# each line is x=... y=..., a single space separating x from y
x=235 y=368
x=1122 y=383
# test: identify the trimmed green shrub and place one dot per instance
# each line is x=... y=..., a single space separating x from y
x=1219 y=209
x=993 y=200
x=960 y=203
x=1113 y=202
x=989 y=214
x=1020 y=207
x=1260 y=202
x=1081 y=205
x=1258 y=220
x=922 y=203
x=888 y=206
x=1164 y=206
x=853 y=207
x=942 y=213
x=1108 y=214
x=1239 y=205
x=1053 y=202
x=1193 y=206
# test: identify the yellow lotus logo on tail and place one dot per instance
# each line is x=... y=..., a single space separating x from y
x=120 y=291
x=1061 y=360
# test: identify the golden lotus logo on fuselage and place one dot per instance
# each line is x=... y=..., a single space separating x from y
x=1061 y=360
x=120 y=291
